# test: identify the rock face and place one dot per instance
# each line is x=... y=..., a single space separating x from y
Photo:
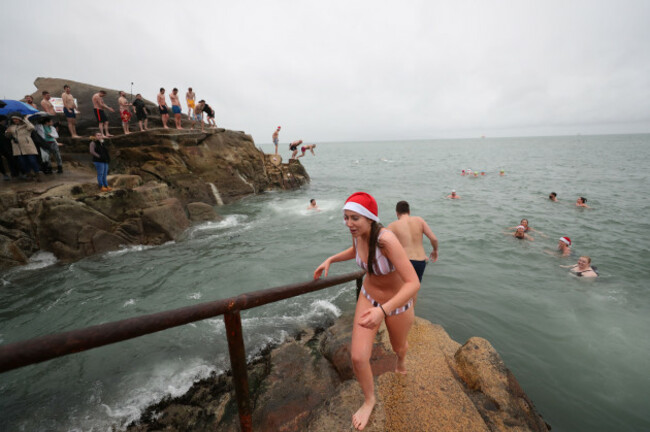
x=164 y=180
x=306 y=385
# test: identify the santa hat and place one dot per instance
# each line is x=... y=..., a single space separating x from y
x=364 y=204
x=566 y=240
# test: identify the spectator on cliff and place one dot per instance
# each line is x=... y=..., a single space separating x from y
x=276 y=139
x=6 y=152
x=210 y=116
x=176 y=107
x=69 y=108
x=294 y=148
x=125 y=114
x=23 y=148
x=141 y=111
x=162 y=107
x=101 y=159
x=100 y=114
x=190 y=97
x=52 y=146
x=309 y=147
x=29 y=100
x=198 y=114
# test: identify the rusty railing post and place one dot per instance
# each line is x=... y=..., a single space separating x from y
x=238 y=364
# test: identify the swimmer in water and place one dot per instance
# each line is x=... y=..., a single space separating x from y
x=520 y=234
x=312 y=205
x=453 y=195
x=583 y=268
x=564 y=246
x=502 y=173
x=582 y=202
x=462 y=172
x=528 y=228
x=552 y=196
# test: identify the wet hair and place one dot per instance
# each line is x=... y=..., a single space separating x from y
x=402 y=207
x=375 y=228
x=518 y=235
x=45 y=92
x=66 y=86
x=311 y=201
x=588 y=259
x=552 y=194
x=584 y=200
x=522 y=221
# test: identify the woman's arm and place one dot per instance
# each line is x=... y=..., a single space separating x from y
x=345 y=255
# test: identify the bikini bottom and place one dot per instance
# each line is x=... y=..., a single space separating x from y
x=375 y=303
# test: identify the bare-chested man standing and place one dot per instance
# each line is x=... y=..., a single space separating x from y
x=275 y=139
x=162 y=108
x=409 y=231
x=190 y=97
x=69 y=108
x=100 y=115
x=46 y=104
x=125 y=114
x=176 y=107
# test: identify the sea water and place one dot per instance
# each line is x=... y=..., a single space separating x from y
x=578 y=347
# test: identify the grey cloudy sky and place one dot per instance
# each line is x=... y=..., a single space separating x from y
x=356 y=69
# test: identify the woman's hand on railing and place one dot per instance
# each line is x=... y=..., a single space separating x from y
x=322 y=269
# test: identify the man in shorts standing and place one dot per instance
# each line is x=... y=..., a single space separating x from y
x=69 y=108
x=140 y=111
x=276 y=139
x=409 y=231
x=162 y=107
x=190 y=97
x=100 y=115
x=176 y=107
x=125 y=114
x=46 y=104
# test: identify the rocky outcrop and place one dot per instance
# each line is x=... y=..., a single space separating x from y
x=306 y=384
x=166 y=180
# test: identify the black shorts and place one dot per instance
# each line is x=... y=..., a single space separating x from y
x=419 y=267
x=140 y=115
x=163 y=109
x=100 y=115
x=69 y=113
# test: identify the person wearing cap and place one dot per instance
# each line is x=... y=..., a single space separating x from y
x=453 y=195
x=564 y=246
x=386 y=295
x=23 y=148
x=409 y=231
x=276 y=139
x=528 y=228
x=520 y=233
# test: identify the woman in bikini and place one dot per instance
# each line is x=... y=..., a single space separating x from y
x=583 y=268
x=387 y=293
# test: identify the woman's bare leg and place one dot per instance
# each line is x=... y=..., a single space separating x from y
x=398 y=329
x=360 y=350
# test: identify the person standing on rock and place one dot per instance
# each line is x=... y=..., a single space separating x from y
x=69 y=108
x=409 y=230
x=101 y=158
x=190 y=97
x=207 y=109
x=140 y=110
x=50 y=135
x=100 y=114
x=162 y=108
x=176 y=107
x=125 y=114
x=29 y=100
x=46 y=104
x=23 y=148
x=198 y=114
x=276 y=140
x=387 y=293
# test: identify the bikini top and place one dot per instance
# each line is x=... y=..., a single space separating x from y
x=382 y=265
x=594 y=269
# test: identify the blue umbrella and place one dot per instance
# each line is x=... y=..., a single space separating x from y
x=16 y=106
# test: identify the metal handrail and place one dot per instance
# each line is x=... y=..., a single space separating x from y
x=19 y=354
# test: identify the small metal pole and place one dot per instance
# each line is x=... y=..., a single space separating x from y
x=238 y=365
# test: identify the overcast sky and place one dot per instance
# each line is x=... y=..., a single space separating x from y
x=353 y=70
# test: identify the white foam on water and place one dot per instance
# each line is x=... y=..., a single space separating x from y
x=129 y=302
x=195 y=296
x=40 y=260
x=166 y=380
x=229 y=221
x=127 y=249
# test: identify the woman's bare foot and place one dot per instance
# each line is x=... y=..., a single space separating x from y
x=400 y=367
x=360 y=418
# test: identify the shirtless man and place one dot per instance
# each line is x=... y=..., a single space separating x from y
x=552 y=196
x=46 y=104
x=312 y=205
x=190 y=97
x=162 y=107
x=564 y=246
x=309 y=147
x=176 y=107
x=100 y=115
x=453 y=195
x=29 y=100
x=69 y=108
x=125 y=114
x=275 y=139
x=409 y=231
x=198 y=114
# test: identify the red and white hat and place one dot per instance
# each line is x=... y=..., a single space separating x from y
x=364 y=204
x=566 y=240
